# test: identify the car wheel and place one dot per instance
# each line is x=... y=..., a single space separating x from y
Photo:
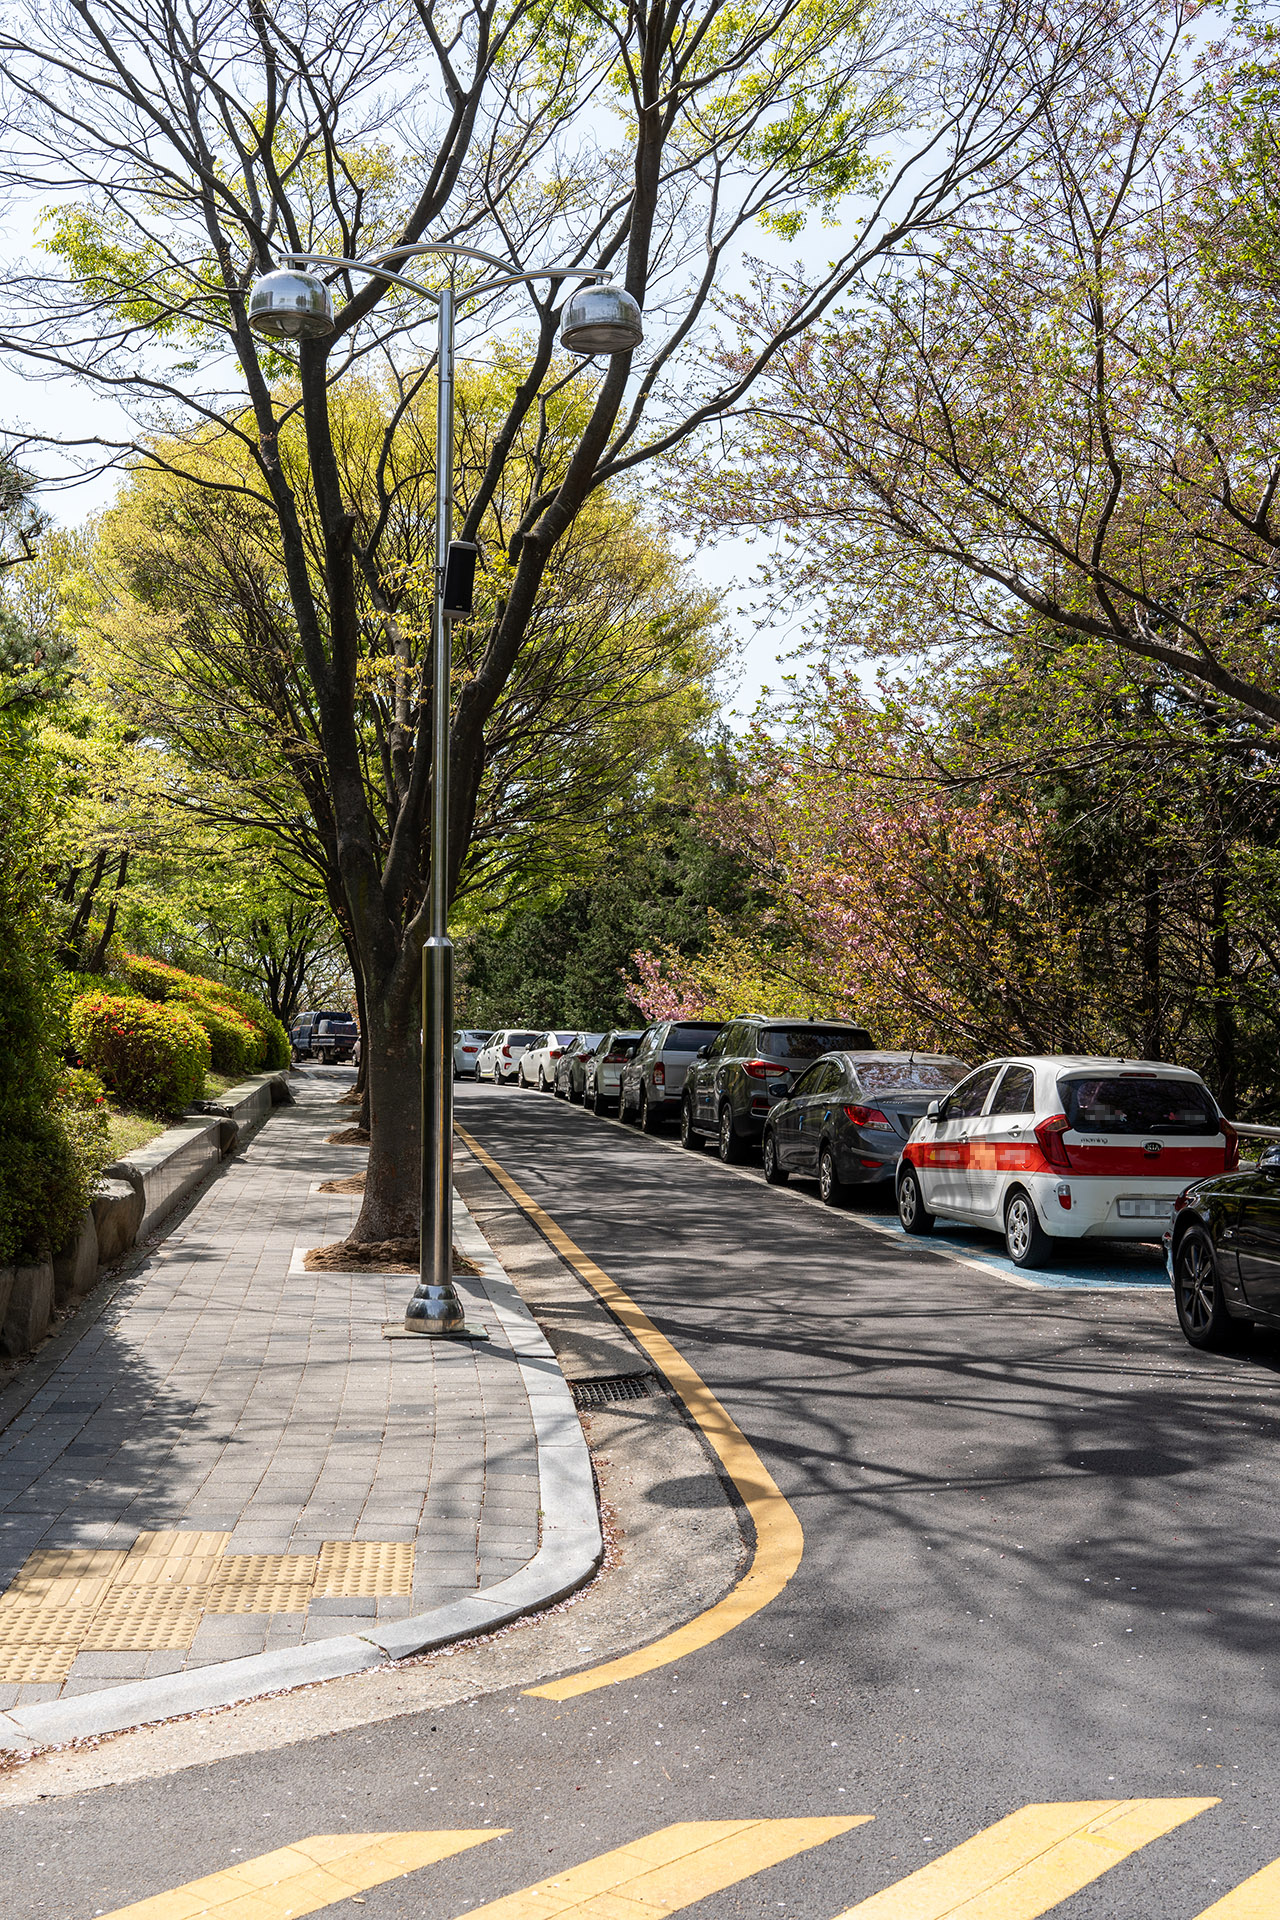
x=542 y=1081
x=1026 y=1240
x=774 y=1171
x=648 y=1119
x=1197 y=1295
x=830 y=1186
x=728 y=1145
x=624 y=1113
x=912 y=1212
x=577 y=1099
x=689 y=1136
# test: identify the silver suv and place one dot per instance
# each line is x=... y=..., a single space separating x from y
x=653 y=1081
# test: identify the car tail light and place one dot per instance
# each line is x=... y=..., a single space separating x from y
x=616 y=1059
x=1183 y=1200
x=471 y=1049
x=1049 y=1133
x=553 y=1053
x=1231 y=1153
x=659 y=1075
x=506 y=1053
x=761 y=1069
x=867 y=1116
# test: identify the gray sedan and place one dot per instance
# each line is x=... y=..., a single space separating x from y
x=604 y=1069
x=849 y=1116
x=571 y=1067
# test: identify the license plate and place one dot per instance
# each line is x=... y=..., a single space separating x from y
x=1144 y=1209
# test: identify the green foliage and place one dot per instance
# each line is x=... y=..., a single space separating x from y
x=151 y=1057
x=51 y=1148
x=235 y=1046
x=245 y=1038
x=566 y=962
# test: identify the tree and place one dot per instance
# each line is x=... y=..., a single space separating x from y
x=1067 y=410
x=183 y=158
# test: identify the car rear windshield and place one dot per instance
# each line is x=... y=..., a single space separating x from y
x=909 y=1076
x=474 y=1033
x=559 y=1039
x=691 y=1036
x=1137 y=1103
x=521 y=1039
x=808 y=1043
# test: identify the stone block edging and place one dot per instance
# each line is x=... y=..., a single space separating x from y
x=173 y=1164
x=570 y=1550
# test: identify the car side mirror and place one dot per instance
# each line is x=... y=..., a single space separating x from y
x=934 y=1110
x=703 y=1050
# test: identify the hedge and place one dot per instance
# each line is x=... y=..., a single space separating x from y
x=236 y=1046
x=157 y=980
x=151 y=1057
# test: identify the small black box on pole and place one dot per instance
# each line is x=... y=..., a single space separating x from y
x=460 y=579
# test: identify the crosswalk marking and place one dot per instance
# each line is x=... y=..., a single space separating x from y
x=667 y=1870
x=1257 y=1898
x=1028 y=1862
x=303 y=1878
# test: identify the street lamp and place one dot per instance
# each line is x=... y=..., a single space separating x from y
x=291 y=303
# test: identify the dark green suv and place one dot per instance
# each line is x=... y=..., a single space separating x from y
x=740 y=1075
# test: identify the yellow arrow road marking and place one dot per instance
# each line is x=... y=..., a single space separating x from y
x=1027 y=1863
x=779 y=1540
x=1257 y=1898
x=667 y=1870
x=304 y=1877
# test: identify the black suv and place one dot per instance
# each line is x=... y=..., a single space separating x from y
x=738 y=1077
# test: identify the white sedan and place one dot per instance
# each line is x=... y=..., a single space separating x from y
x=538 y=1061
x=500 y=1059
x=1063 y=1147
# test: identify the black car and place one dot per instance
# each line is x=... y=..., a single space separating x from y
x=740 y=1075
x=1223 y=1249
x=850 y=1115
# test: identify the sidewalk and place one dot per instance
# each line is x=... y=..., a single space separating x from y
x=232 y=1461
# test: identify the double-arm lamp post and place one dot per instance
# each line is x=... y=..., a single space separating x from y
x=292 y=304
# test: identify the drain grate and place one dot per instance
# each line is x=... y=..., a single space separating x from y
x=620 y=1386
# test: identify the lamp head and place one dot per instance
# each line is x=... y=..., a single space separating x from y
x=287 y=304
x=601 y=320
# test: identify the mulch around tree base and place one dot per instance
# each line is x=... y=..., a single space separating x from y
x=348 y=1137
x=374 y=1256
x=354 y=1183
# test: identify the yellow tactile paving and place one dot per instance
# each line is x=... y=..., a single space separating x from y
x=152 y=1597
x=261 y=1583
x=666 y=1871
x=365 y=1567
x=305 y=1877
x=142 y=1620
x=1029 y=1862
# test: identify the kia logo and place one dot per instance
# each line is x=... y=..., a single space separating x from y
x=1151 y=1148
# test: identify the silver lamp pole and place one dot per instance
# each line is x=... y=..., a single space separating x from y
x=292 y=304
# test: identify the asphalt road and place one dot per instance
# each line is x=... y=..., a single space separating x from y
x=1040 y=1566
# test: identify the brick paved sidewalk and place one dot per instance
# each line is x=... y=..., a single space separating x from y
x=231 y=1459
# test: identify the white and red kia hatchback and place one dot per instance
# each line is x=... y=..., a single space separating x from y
x=1063 y=1147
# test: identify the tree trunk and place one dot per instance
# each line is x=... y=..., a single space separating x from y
x=391 y=1061
x=1152 y=990
x=1224 y=1002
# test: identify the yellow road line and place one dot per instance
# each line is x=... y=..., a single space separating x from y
x=1257 y=1898
x=779 y=1540
x=667 y=1870
x=304 y=1877
x=1028 y=1862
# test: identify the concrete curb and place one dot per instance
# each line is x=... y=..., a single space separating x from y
x=570 y=1551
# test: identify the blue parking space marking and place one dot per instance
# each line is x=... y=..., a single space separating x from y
x=1113 y=1266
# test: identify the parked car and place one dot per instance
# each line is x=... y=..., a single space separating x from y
x=1063 y=1147
x=1223 y=1254
x=739 y=1076
x=604 y=1068
x=501 y=1054
x=538 y=1062
x=653 y=1079
x=571 y=1067
x=468 y=1043
x=335 y=1039
x=849 y=1116
x=302 y=1030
